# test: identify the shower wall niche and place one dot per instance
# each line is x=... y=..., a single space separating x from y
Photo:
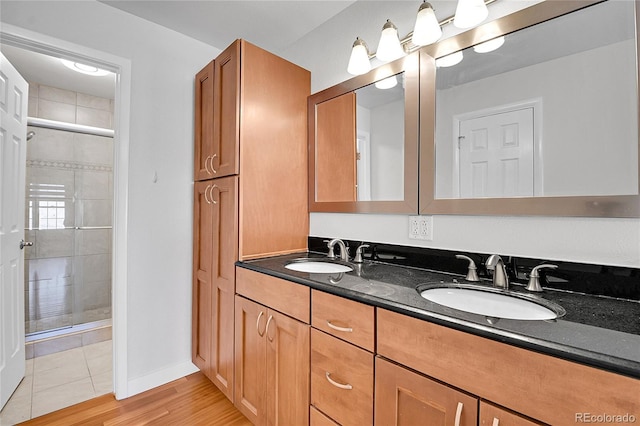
x=68 y=212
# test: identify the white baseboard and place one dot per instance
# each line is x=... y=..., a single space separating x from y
x=158 y=378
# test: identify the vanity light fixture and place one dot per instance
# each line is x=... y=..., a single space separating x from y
x=387 y=83
x=450 y=60
x=489 y=46
x=83 y=68
x=427 y=28
x=470 y=13
x=389 y=47
x=359 y=60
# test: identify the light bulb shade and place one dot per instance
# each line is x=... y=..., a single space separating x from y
x=489 y=46
x=387 y=83
x=359 y=60
x=450 y=60
x=427 y=29
x=470 y=13
x=389 y=47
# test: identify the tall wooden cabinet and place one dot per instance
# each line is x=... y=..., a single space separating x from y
x=250 y=190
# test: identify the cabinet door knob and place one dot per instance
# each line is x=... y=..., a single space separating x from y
x=336 y=384
x=459 y=413
x=258 y=324
x=267 y=328
x=335 y=327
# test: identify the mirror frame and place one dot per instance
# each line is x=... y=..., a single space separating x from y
x=623 y=206
x=412 y=68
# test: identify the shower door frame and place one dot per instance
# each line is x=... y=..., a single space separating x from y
x=29 y=40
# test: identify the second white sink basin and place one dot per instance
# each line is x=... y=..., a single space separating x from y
x=318 y=267
x=493 y=303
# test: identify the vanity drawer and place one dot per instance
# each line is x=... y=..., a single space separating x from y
x=284 y=296
x=341 y=380
x=344 y=318
x=317 y=418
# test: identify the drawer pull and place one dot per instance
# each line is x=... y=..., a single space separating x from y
x=335 y=327
x=336 y=384
x=459 y=413
x=258 y=324
x=267 y=328
x=496 y=422
x=206 y=164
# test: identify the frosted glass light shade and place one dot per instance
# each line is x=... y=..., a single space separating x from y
x=387 y=83
x=359 y=60
x=389 y=47
x=427 y=29
x=489 y=46
x=450 y=60
x=470 y=13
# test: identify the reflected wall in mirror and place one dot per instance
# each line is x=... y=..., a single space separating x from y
x=363 y=142
x=545 y=124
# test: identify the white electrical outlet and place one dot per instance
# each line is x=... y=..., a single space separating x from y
x=426 y=228
x=421 y=228
x=414 y=227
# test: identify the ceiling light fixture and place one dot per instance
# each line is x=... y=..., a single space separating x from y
x=489 y=46
x=389 y=47
x=470 y=13
x=359 y=60
x=427 y=28
x=84 y=68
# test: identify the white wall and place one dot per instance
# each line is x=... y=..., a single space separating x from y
x=325 y=52
x=158 y=277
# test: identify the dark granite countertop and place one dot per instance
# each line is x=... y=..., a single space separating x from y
x=599 y=331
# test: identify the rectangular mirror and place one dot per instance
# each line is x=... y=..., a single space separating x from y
x=363 y=142
x=545 y=124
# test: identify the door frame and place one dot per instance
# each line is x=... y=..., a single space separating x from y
x=36 y=42
x=536 y=105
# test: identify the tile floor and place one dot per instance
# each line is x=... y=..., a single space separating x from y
x=59 y=380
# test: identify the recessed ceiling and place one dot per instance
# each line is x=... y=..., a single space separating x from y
x=273 y=25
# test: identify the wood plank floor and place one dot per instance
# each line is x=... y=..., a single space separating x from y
x=192 y=400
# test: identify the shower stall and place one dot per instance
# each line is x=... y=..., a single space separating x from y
x=68 y=218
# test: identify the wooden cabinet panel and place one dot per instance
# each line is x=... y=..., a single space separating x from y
x=226 y=112
x=272 y=366
x=504 y=374
x=285 y=296
x=317 y=418
x=341 y=380
x=490 y=415
x=344 y=318
x=215 y=253
x=203 y=132
x=335 y=166
x=405 y=398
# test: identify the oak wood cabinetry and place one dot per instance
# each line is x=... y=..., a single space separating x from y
x=542 y=387
x=491 y=415
x=403 y=397
x=272 y=352
x=250 y=188
x=342 y=374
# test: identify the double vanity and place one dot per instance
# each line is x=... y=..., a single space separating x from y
x=387 y=346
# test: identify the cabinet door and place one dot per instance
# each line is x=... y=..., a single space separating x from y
x=250 y=348
x=490 y=415
x=202 y=292
x=407 y=398
x=223 y=196
x=226 y=112
x=287 y=371
x=203 y=132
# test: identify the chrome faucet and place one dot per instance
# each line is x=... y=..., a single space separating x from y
x=344 y=251
x=500 y=278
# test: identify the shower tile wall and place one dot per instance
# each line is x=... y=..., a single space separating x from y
x=69 y=185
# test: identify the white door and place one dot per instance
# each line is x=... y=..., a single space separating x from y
x=496 y=155
x=13 y=139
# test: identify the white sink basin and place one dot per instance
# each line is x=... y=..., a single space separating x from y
x=493 y=303
x=318 y=267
